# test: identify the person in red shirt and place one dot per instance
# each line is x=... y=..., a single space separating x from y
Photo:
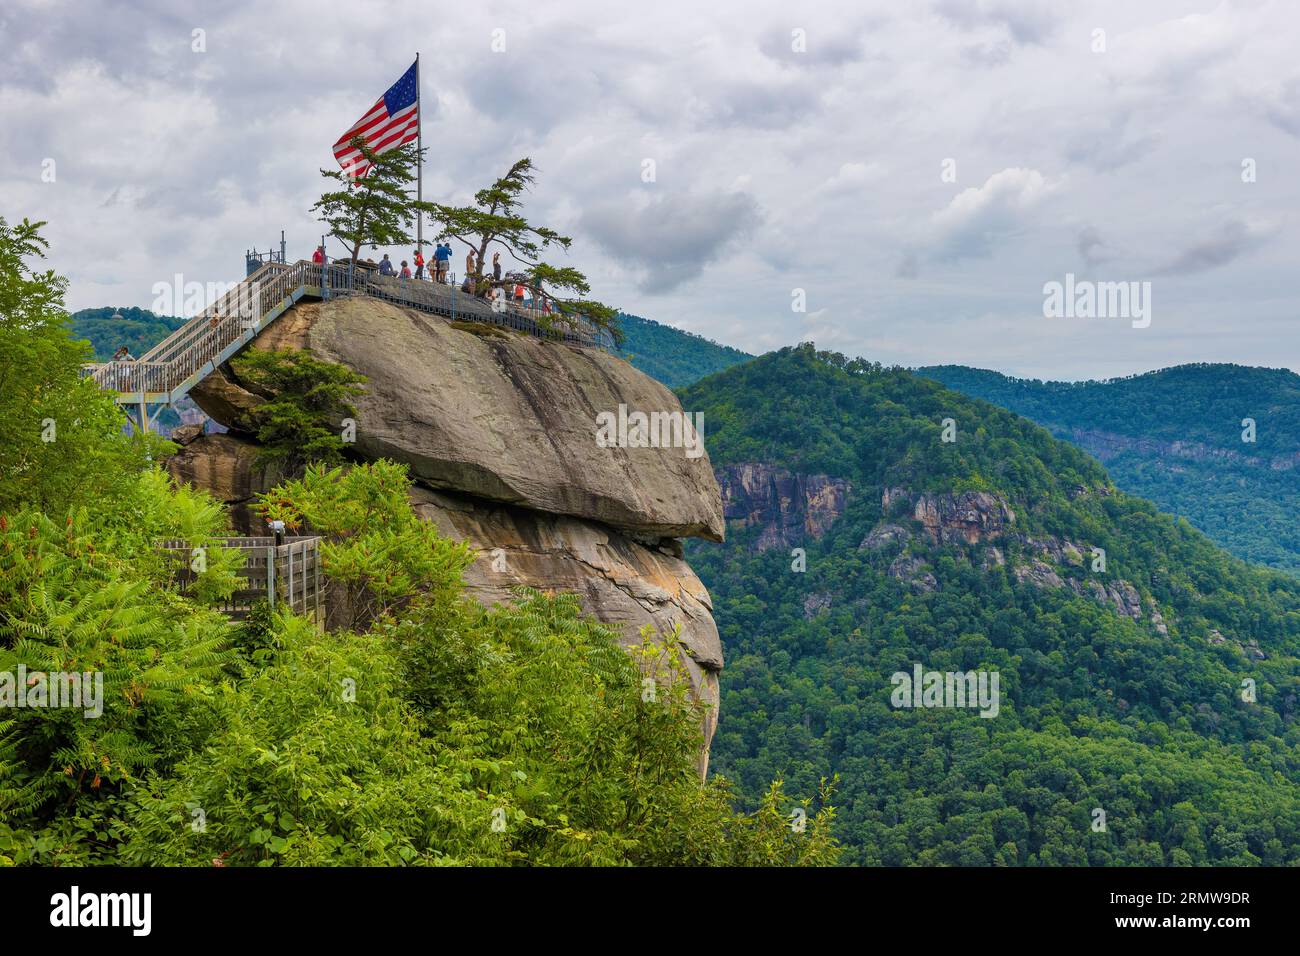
x=318 y=256
x=406 y=270
x=419 y=264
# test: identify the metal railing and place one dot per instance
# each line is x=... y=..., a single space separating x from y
x=209 y=337
x=285 y=575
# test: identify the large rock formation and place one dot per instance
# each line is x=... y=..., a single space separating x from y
x=228 y=468
x=954 y=517
x=499 y=431
x=618 y=580
x=501 y=416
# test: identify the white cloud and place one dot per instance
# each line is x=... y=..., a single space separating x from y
x=979 y=218
x=775 y=169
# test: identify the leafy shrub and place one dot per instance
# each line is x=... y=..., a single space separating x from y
x=376 y=549
x=299 y=423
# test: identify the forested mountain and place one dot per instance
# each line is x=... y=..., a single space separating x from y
x=1179 y=437
x=674 y=357
x=138 y=329
x=1148 y=680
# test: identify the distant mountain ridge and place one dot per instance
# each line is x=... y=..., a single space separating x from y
x=1176 y=436
x=673 y=356
x=138 y=329
x=1144 y=672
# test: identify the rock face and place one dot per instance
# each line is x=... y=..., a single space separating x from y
x=816 y=603
x=882 y=536
x=618 y=580
x=987 y=521
x=226 y=467
x=499 y=432
x=184 y=434
x=508 y=418
x=969 y=516
x=912 y=570
x=789 y=507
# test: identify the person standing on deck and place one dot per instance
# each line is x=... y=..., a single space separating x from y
x=469 y=269
x=418 y=259
x=442 y=259
x=123 y=354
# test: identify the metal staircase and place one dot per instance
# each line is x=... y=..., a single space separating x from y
x=167 y=372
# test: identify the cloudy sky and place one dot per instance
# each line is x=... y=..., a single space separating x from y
x=913 y=172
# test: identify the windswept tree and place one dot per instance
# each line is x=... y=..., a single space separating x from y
x=376 y=209
x=495 y=219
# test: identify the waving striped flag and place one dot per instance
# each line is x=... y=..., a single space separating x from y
x=392 y=121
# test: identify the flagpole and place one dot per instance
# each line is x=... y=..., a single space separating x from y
x=419 y=162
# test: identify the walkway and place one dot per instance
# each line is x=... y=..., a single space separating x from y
x=168 y=371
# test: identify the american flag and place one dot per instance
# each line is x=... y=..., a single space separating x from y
x=392 y=121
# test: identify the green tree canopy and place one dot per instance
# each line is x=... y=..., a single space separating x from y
x=376 y=209
x=495 y=219
x=60 y=436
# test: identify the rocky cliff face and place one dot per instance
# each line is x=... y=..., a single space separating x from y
x=500 y=433
x=788 y=507
x=971 y=516
x=501 y=416
x=985 y=524
x=225 y=466
x=618 y=580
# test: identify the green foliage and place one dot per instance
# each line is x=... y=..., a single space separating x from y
x=61 y=437
x=376 y=209
x=1097 y=711
x=672 y=356
x=257 y=636
x=1175 y=437
x=376 y=548
x=541 y=751
x=76 y=600
x=495 y=218
x=447 y=733
x=299 y=423
x=160 y=511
